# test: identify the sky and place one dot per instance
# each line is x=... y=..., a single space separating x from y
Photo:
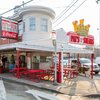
x=85 y=9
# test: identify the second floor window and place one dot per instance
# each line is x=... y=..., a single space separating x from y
x=20 y=29
x=32 y=21
x=44 y=25
x=24 y=26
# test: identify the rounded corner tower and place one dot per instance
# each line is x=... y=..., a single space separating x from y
x=35 y=22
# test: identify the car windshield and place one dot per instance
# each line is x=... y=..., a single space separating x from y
x=85 y=61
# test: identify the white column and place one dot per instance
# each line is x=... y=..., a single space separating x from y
x=29 y=62
x=55 y=61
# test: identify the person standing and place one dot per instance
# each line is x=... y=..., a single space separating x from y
x=3 y=61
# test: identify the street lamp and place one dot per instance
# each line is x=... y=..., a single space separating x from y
x=98 y=2
x=54 y=42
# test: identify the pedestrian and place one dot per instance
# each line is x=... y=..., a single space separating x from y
x=0 y=62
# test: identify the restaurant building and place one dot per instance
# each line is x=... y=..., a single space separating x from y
x=34 y=44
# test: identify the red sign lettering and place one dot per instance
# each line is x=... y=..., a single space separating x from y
x=9 y=28
x=85 y=40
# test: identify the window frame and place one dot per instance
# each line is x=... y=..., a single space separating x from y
x=24 y=26
x=32 y=24
x=44 y=25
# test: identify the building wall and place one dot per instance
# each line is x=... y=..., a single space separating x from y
x=23 y=15
x=38 y=34
x=7 y=41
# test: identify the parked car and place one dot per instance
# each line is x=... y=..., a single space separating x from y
x=97 y=60
x=86 y=63
x=72 y=62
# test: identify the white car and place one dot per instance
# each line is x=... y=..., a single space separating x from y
x=97 y=60
x=86 y=63
x=70 y=61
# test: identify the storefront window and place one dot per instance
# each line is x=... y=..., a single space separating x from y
x=44 y=24
x=32 y=22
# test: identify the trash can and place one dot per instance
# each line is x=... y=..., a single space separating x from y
x=59 y=76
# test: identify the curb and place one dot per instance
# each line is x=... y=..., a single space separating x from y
x=40 y=87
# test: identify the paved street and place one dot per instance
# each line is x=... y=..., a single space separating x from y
x=76 y=89
x=16 y=91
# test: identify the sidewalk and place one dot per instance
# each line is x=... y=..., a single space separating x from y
x=79 y=86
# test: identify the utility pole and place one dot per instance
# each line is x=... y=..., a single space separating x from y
x=23 y=3
x=98 y=2
x=54 y=42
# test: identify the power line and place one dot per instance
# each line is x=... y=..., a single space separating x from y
x=65 y=10
x=16 y=7
x=60 y=7
x=70 y=13
x=60 y=15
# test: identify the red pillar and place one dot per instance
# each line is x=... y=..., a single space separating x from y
x=92 y=60
x=78 y=60
x=18 y=55
x=59 y=69
x=59 y=61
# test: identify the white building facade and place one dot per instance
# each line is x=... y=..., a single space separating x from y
x=35 y=22
x=36 y=50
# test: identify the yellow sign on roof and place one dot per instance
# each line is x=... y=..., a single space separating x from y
x=80 y=28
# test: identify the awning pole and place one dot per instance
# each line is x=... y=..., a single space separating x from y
x=59 y=61
x=55 y=64
x=92 y=60
x=62 y=68
x=18 y=55
x=78 y=60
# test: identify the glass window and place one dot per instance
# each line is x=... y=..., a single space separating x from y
x=20 y=30
x=44 y=24
x=85 y=61
x=23 y=26
x=32 y=24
